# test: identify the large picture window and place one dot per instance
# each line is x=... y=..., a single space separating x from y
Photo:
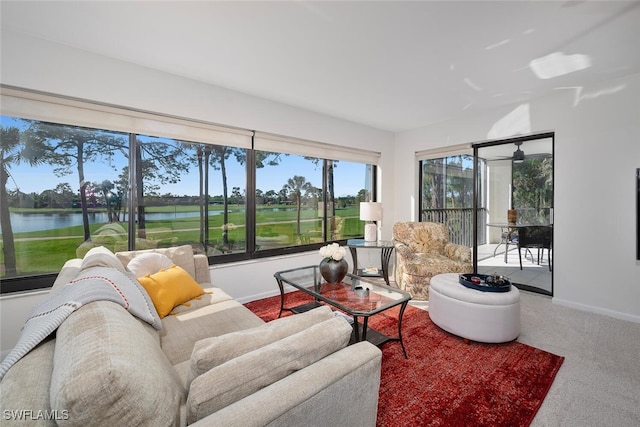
x=67 y=188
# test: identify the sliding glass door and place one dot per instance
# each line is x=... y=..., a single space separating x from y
x=514 y=211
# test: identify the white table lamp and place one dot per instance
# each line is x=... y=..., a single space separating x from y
x=370 y=212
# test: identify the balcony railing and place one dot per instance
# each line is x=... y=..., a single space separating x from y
x=460 y=223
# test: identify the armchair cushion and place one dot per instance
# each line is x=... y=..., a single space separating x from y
x=423 y=250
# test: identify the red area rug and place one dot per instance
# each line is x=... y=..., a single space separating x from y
x=445 y=381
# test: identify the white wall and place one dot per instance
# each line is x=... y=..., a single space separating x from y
x=32 y=63
x=597 y=150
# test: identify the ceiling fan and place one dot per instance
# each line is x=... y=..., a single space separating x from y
x=519 y=155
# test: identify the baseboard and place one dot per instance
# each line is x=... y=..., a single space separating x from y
x=272 y=293
x=597 y=310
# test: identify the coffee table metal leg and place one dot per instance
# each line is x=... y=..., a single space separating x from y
x=402 y=308
x=281 y=296
x=365 y=322
x=356 y=329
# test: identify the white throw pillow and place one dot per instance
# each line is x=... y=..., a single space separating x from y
x=101 y=257
x=149 y=263
x=182 y=256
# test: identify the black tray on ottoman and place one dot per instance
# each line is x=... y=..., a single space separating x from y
x=488 y=282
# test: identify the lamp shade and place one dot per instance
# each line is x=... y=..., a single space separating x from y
x=370 y=211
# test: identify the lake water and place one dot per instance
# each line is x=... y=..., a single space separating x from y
x=24 y=222
x=21 y=222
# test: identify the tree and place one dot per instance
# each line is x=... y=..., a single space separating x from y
x=295 y=186
x=433 y=184
x=459 y=182
x=68 y=147
x=9 y=153
x=63 y=195
x=270 y=197
x=157 y=160
x=219 y=156
x=105 y=189
x=259 y=197
x=362 y=196
x=533 y=188
x=329 y=166
x=237 y=196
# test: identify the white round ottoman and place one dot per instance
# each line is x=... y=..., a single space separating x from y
x=491 y=317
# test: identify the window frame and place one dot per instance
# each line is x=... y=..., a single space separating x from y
x=33 y=105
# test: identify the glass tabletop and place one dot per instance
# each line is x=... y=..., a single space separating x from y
x=361 y=243
x=350 y=295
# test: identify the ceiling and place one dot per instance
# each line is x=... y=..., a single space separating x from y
x=391 y=65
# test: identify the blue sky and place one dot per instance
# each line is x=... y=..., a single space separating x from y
x=349 y=177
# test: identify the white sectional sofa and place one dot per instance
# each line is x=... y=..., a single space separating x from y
x=105 y=367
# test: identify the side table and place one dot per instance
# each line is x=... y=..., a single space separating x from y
x=386 y=248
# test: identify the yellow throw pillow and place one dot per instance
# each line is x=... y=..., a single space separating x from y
x=169 y=288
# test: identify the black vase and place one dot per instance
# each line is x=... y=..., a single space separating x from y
x=333 y=271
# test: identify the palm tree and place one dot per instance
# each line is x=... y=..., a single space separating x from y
x=296 y=186
x=9 y=153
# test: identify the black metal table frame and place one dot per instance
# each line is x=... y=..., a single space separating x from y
x=385 y=256
x=505 y=237
x=375 y=337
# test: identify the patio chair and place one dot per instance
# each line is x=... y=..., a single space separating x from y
x=535 y=237
x=423 y=250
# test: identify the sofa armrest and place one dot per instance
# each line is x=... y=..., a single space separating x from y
x=201 y=263
x=340 y=389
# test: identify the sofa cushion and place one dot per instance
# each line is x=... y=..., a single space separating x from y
x=101 y=257
x=246 y=374
x=181 y=331
x=25 y=387
x=181 y=256
x=211 y=352
x=148 y=263
x=169 y=288
x=108 y=371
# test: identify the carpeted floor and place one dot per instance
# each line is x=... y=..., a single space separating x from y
x=445 y=381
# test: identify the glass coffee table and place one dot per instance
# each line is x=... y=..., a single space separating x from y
x=354 y=296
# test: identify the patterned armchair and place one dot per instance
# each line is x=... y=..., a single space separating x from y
x=423 y=250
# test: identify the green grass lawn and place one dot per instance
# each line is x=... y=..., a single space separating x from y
x=45 y=251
